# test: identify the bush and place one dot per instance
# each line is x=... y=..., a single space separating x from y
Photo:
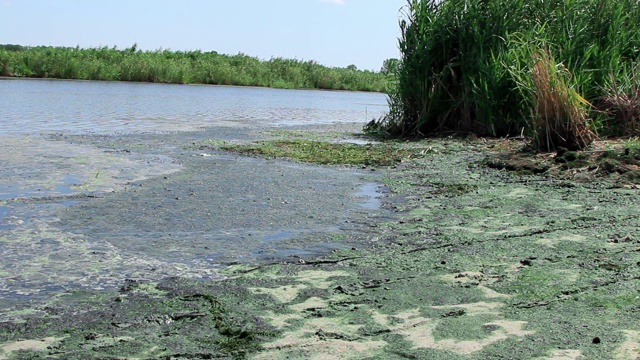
x=484 y=66
x=179 y=67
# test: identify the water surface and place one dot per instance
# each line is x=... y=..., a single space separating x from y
x=43 y=106
x=87 y=212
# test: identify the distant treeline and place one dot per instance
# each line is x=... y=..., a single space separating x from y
x=181 y=67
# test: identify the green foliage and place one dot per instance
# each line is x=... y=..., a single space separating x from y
x=633 y=143
x=11 y=47
x=181 y=67
x=389 y=66
x=468 y=65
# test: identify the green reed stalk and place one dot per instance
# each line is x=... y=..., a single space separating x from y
x=469 y=65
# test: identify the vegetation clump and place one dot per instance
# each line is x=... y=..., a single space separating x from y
x=560 y=72
x=617 y=162
x=327 y=153
x=181 y=67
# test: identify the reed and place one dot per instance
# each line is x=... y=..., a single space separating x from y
x=181 y=67
x=471 y=65
x=560 y=117
x=621 y=103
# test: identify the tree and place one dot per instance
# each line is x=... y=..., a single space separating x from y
x=11 y=47
x=389 y=66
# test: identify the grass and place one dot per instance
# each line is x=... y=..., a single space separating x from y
x=633 y=143
x=622 y=103
x=560 y=117
x=181 y=67
x=327 y=153
x=559 y=72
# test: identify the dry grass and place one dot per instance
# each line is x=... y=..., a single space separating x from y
x=622 y=104
x=561 y=113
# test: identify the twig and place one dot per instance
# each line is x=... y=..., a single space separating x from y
x=323 y=262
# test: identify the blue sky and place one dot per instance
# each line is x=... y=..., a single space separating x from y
x=331 y=32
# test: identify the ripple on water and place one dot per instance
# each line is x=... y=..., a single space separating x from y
x=32 y=106
x=4 y=212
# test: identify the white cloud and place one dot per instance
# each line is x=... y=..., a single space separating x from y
x=337 y=2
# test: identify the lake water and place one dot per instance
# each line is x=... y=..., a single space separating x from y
x=45 y=106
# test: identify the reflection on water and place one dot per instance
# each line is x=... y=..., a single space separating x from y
x=371 y=191
x=63 y=187
x=36 y=106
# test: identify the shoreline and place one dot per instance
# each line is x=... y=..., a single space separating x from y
x=475 y=263
x=8 y=78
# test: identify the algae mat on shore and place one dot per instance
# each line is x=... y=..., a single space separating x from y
x=87 y=212
x=480 y=265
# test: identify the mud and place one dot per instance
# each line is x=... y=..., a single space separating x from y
x=616 y=162
x=87 y=212
x=476 y=263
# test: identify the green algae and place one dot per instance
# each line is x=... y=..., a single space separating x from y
x=480 y=264
x=145 y=321
x=322 y=152
x=526 y=247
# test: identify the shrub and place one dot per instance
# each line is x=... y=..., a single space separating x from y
x=178 y=67
x=470 y=65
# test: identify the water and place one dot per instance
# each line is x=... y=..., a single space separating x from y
x=4 y=211
x=46 y=106
x=371 y=192
x=53 y=241
x=10 y=191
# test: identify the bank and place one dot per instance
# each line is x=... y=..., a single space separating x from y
x=476 y=263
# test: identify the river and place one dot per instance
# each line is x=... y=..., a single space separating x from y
x=45 y=106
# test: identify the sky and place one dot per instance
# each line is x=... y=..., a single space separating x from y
x=332 y=32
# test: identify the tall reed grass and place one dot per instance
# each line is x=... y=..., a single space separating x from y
x=558 y=70
x=178 y=67
x=560 y=116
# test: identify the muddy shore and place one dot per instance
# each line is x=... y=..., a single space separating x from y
x=87 y=212
x=463 y=261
